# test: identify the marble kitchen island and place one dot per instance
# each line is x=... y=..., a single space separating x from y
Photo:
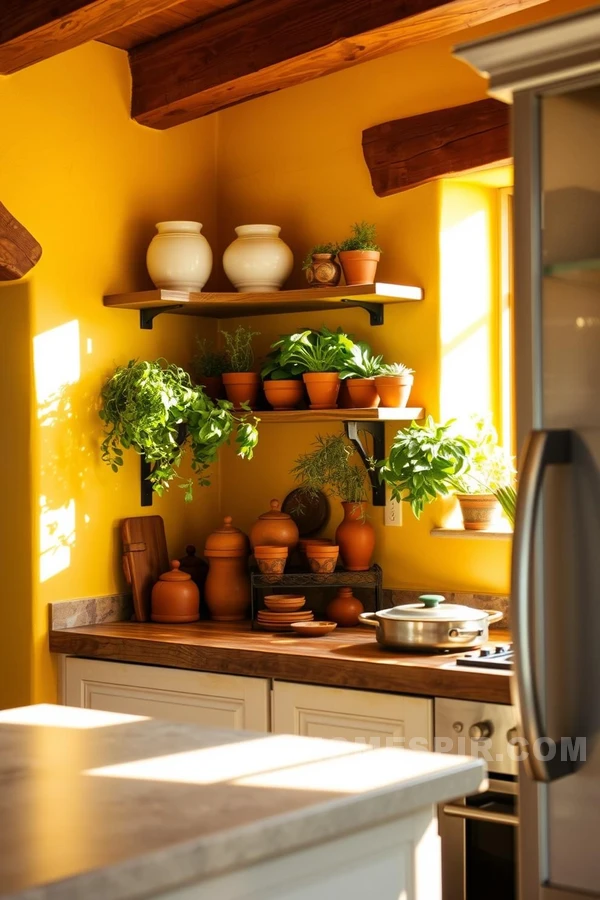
x=104 y=806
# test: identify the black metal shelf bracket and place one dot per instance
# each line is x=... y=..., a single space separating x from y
x=146 y=486
x=377 y=430
x=149 y=313
x=375 y=310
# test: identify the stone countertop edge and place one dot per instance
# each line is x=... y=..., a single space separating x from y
x=184 y=864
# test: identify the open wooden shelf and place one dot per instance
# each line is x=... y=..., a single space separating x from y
x=371 y=297
x=290 y=416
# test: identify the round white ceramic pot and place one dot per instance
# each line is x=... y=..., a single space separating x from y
x=179 y=258
x=258 y=260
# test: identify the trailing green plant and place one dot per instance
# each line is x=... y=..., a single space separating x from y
x=208 y=361
x=425 y=461
x=362 y=363
x=490 y=466
x=364 y=237
x=329 y=467
x=396 y=369
x=319 y=248
x=239 y=349
x=314 y=351
x=154 y=409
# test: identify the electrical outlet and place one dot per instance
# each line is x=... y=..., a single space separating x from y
x=393 y=510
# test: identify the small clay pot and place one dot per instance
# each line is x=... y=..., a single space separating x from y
x=363 y=393
x=274 y=528
x=284 y=394
x=322 y=558
x=323 y=389
x=175 y=597
x=304 y=543
x=271 y=560
x=345 y=608
x=480 y=512
x=324 y=270
x=241 y=387
x=359 y=266
x=344 y=401
x=394 y=390
x=213 y=386
x=356 y=538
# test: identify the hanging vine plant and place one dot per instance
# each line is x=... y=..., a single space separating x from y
x=154 y=409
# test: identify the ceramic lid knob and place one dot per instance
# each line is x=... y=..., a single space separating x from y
x=175 y=574
x=275 y=512
x=227 y=537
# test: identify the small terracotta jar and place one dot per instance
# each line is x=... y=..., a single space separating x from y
x=345 y=608
x=227 y=590
x=175 y=597
x=356 y=537
x=274 y=528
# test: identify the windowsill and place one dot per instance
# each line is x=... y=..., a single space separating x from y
x=499 y=534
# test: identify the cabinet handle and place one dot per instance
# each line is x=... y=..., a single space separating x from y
x=480 y=815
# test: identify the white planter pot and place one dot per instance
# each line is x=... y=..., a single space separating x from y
x=179 y=258
x=258 y=260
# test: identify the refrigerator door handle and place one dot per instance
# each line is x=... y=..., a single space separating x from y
x=543 y=448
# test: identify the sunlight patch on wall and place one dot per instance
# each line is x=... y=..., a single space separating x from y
x=56 y=360
x=57 y=537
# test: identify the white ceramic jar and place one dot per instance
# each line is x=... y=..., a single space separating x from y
x=179 y=258
x=258 y=260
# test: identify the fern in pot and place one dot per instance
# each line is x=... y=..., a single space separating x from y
x=394 y=383
x=208 y=366
x=241 y=382
x=319 y=355
x=359 y=254
x=333 y=466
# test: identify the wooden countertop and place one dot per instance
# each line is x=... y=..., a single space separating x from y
x=103 y=805
x=348 y=657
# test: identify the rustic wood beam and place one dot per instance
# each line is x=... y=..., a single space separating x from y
x=19 y=250
x=32 y=30
x=266 y=45
x=407 y=152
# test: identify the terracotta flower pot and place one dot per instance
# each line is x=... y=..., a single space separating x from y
x=324 y=271
x=322 y=558
x=344 y=401
x=213 y=386
x=241 y=387
x=323 y=389
x=359 y=266
x=394 y=390
x=304 y=543
x=480 y=512
x=284 y=394
x=356 y=538
x=344 y=608
x=363 y=393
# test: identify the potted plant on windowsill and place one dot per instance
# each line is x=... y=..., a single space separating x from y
x=319 y=355
x=208 y=366
x=394 y=383
x=154 y=409
x=282 y=382
x=321 y=267
x=359 y=372
x=359 y=254
x=241 y=383
x=329 y=467
x=485 y=486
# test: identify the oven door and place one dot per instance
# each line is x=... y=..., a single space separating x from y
x=479 y=844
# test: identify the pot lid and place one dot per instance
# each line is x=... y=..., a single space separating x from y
x=429 y=610
x=175 y=574
x=275 y=512
x=227 y=537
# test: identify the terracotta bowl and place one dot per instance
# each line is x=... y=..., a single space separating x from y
x=284 y=602
x=313 y=629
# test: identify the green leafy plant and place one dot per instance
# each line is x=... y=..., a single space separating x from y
x=364 y=237
x=239 y=349
x=329 y=468
x=314 y=351
x=274 y=369
x=319 y=248
x=209 y=362
x=490 y=466
x=507 y=498
x=154 y=409
x=396 y=369
x=362 y=363
x=425 y=461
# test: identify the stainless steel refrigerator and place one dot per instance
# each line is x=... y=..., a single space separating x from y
x=551 y=75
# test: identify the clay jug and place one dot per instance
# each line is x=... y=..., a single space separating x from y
x=227 y=589
x=345 y=608
x=175 y=597
x=355 y=537
x=275 y=529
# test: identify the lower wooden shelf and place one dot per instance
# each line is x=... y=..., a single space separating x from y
x=497 y=535
x=291 y=416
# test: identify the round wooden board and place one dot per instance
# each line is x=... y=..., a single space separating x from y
x=310 y=513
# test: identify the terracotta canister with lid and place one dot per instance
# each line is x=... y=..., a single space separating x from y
x=227 y=589
x=274 y=528
x=175 y=597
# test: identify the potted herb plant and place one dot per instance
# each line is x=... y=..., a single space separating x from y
x=359 y=254
x=321 y=266
x=282 y=382
x=358 y=373
x=394 y=383
x=330 y=467
x=320 y=356
x=485 y=486
x=208 y=366
x=154 y=409
x=241 y=383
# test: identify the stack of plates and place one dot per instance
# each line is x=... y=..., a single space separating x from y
x=281 y=621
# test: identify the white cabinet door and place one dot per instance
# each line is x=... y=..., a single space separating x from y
x=218 y=701
x=383 y=720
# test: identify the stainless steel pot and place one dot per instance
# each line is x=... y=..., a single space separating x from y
x=429 y=626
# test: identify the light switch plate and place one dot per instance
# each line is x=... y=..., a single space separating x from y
x=393 y=511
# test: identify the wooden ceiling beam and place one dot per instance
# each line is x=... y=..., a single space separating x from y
x=33 y=30
x=266 y=45
x=408 y=152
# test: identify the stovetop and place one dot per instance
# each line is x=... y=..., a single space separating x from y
x=498 y=658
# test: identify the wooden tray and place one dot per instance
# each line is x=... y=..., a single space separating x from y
x=145 y=557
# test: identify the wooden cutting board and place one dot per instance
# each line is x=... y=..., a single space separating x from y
x=145 y=557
